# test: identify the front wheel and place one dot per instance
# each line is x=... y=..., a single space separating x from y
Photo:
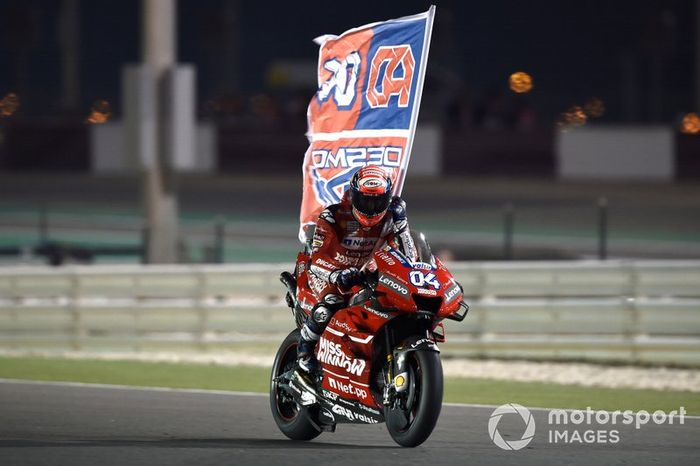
x=288 y=415
x=411 y=424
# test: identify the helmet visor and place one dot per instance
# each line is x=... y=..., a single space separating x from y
x=371 y=204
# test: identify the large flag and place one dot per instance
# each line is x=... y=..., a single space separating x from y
x=370 y=81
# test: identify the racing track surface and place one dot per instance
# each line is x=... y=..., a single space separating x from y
x=57 y=424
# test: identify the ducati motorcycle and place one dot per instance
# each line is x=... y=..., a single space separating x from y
x=379 y=357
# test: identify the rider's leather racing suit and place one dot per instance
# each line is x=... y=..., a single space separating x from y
x=340 y=243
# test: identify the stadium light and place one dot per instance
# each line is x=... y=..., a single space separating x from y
x=690 y=124
x=9 y=104
x=99 y=113
x=594 y=108
x=520 y=82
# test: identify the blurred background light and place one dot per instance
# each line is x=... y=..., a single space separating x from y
x=691 y=124
x=9 y=104
x=100 y=113
x=594 y=108
x=572 y=118
x=520 y=82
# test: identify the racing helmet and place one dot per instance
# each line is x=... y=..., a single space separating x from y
x=370 y=195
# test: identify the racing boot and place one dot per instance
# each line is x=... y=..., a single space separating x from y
x=311 y=331
x=307 y=365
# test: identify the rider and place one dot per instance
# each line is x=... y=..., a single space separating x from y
x=346 y=235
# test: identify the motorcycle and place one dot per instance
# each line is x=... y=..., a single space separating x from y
x=379 y=355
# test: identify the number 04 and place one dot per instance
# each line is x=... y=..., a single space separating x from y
x=419 y=278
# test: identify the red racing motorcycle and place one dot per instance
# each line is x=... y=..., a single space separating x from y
x=379 y=355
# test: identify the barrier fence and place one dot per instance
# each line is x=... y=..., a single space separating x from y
x=631 y=311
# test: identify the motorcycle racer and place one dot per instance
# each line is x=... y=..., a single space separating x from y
x=346 y=234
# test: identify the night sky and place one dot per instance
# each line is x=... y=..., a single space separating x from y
x=627 y=53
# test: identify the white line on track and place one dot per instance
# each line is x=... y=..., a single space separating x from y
x=232 y=393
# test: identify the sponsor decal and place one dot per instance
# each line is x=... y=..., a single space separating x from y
x=345 y=260
x=305 y=305
x=386 y=258
x=423 y=266
x=316 y=284
x=384 y=280
x=426 y=291
x=383 y=315
x=372 y=183
x=356 y=157
x=401 y=259
x=332 y=353
x=320 y=272
x=353 y=242
x=341 y=325
x=353 y=416
x=452 y=293
x=348 y=388
x=324 y=263
x=423 y=341
x=369 y=410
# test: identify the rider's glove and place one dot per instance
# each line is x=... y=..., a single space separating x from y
x=346 y=278
x=397 y=207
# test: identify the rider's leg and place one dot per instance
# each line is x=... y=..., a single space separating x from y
x=312 y=329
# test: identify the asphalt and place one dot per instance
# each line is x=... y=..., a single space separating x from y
x=49 y=424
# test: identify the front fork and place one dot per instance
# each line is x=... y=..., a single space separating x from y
x=397 y=380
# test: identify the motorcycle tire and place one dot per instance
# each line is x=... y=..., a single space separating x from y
x=291 y=419
x=424 y=403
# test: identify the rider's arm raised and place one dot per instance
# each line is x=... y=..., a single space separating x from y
x=401 y=233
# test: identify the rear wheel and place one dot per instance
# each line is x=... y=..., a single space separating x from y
x=288 y=415
x=412 y=424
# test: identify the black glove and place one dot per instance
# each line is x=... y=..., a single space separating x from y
x=397 y=207
x=346 y=278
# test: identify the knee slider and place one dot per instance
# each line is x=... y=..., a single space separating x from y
x=321 y=314
x=324 y=310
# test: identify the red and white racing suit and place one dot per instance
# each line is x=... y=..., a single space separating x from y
x=340 y=242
